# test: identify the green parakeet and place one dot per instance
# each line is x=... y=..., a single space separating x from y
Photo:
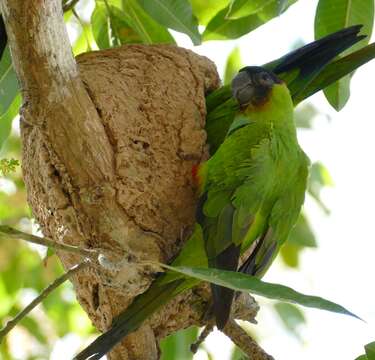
x=251 y=189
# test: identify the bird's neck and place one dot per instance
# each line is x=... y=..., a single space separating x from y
x=277 y=112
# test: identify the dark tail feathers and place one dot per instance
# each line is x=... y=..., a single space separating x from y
x=222 y=296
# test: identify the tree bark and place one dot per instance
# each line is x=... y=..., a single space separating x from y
x=108 y=147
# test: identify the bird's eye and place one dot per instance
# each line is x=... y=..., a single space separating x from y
x=265 y=77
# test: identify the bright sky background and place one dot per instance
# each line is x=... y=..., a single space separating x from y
x=342 y=268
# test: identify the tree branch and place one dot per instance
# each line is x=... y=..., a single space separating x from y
x=8 y=232
x=57 y=101
x=12 y=323
x=245 y=342
x=69 y=4
x=202 y=337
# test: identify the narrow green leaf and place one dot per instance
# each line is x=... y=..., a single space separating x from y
x=34 y=329
x=100 y=23
x=362 y=357
x=234 y=64
x=148 y=29
x=242 y=8
x=241 y=282
x=7 y=118
x=174 y=14
x=333 y=15
x=291 y=316
x=238 y=354
x=304 y=116
x=222 y=28
x=177 y=345
x=206 y=10
x=319 y=178
x=290 y=253
x=302 y=233
x=336 y=70
x=8 y=82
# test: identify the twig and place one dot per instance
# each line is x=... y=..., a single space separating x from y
x=202 y=337
x=7 y=231
x=69 y=5
x=83 y=26
x=13 y=322
x=245 y=342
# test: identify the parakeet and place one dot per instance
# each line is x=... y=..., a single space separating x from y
x=253 y=187
x=250 y=190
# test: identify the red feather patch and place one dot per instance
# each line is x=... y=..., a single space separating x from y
x=194 y=172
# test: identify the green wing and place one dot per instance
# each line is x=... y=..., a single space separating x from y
x=225 y=223
x=283 y=216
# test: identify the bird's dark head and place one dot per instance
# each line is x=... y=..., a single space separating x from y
x=253 y=85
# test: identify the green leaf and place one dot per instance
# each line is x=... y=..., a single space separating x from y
x=304 y=115
x=7 y=118
x=319 y=178
x=148 y=29
x=274 y=9
x=174 y=14
x=300 y=237
x=289 y=253
x=121 y=29
x=80 y=45
x=115 y=3
x=291 y=316
x=370 y=350
x=7 y=166
x=302 y=233
x=221 y=28
x=8 y=82
x=34 y=329
x=206 y=10
x=234 y=64
x=242 y=8
x=100 y=23
x=241 y=282
x=110 y=27
x=333 y=15
x=336 y=70
x=177 y=345
x=238 y=354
